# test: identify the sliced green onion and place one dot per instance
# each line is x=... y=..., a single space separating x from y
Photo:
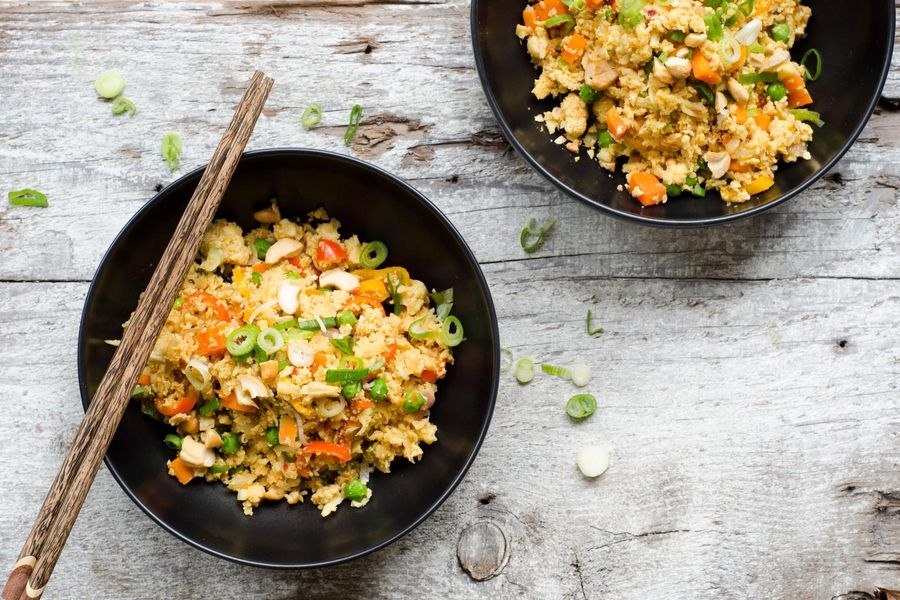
x=171 y=149
x=236 y=469
x=210 y=407
x=818 y=56
x=506 y=359
x=524 y=370
x=556 y=371
x=776 y=91
x=764 y=77
x=605 y=139
x=350 y=389
x=173 y=441
x=672 y=191
x=148 y=408
x=348 y=361
x=179 y=302
x=677 y=36
x=123 y=105
x=141 y=391
x=295 y=275
x=536 y=231
x=574 y=5
x=219 y=468
x=451 y=332
x=261 y=246
x=372 y=255
x=285 y=325
x=756 y=48
x=713 y=27
x=706 y=92
x=28 y=197
x=311 y=116
x=356 y=490
x=260 y=355
x=270 y=340
x=418 y=331
x=344 y=344
x=587 y=323
x=346 y=317
x=581 y=406
x=444 y=302
x=588 y=94
x=230 y=443
x=812 y=116
x=242 y=340
x=313 y=324
x=393 y=285
x=282 y=365
x=353 y=125
x=746 y=7
x=630 y=13
x=413 y=400
x=272 y=436
x=379 y=390
x=109 y=84
x=345 y=375
x=781 y=32
x=256 y=277
x=557 y=20
x=377 y=365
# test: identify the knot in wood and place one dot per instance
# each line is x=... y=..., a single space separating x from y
x=482 y=550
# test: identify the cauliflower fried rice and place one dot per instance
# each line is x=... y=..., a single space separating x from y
x=289 y=370
x=689 y=96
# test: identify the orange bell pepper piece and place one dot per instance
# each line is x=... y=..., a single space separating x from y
x=181 y=471
x=185 y=404
x=342 y=453
x=798 y=98
x=230 y=402
x=702 y=70
x=210 y=341
x=429 y=376
x=287 y=430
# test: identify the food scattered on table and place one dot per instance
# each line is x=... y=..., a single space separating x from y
x=293 y=363
x=688 y=96
x=171 y=149
x=532 y=236
x=28 y=197
x=593 y=461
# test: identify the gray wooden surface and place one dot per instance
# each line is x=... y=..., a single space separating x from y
x=747 y=379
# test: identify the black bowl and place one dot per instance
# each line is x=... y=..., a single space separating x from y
x=856 y=41
x=374 y=205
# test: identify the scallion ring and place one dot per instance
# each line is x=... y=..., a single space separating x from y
x=419 y=331
x=28 y=197
x=109 y=84
x=353 y=125
x=313 y=324
x=372 y=255
x=818 y=56
x=581 y=406
x=802 y=114
x=344 y=344
x=345 y=375
x=413 y=400
x=348 y=361
x=506 y=359
x=587 y=324
x=270 y=340
x=451 y=331
x=524 y=370
x=556 y=371
x=171 y=149
x=574 y=5
x=311 y=116
x=536 y=231
x=123 y=105
x=242 y=340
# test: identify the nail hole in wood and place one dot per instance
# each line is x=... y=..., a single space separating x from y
x=842 y=343
x=454 y=179
x=835 y=178
x=368 y=49
x=487 y=498
x=482 y=550
x=158 y=187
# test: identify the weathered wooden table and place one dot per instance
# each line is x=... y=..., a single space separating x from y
x=747 y=380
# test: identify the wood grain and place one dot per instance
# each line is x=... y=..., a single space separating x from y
x=747 y=380
x=66 y=496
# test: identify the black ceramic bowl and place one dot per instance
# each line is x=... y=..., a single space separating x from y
x=374 y=205
x=856 y=41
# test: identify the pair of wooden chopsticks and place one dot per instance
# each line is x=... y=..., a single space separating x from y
x=63 y=502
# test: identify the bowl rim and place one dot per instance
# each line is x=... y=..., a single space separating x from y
x=664 y=222
x=371 y=169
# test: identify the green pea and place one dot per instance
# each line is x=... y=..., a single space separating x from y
x=781 y=32
x=173 y=441
x=379 y=390
x=346 y=317
x=219 y=468
x=413 y=401
x=230 y=443
x=272 y=436
x=776 y=91
x=606 y=139
x=351 y=389
x=356 y=490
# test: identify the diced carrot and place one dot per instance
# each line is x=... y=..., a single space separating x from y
x=230 y=402
x=798 y=98
x=646 y=188
x=760 y=184
x=210 y=341
x=702 y=70
x=793 y=82
x=595 y=3
x=144 y=379
x=529 y=18
x=740 y=114
x=429 y=376
x=320 y=359
x=573 y=48
x=545 y=9
x=185 y=404
x=373 y=287
x=737 y=167
x=287 y=430
x=210 y=301
x=181 y=471
x=342 y=453
x=361 y=405
x=389 y=353
x=260 y=267
x=763 y=121
x=616 y=124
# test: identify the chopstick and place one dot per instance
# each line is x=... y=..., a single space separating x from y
x=67 y=492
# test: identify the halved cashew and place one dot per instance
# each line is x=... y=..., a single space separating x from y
x=693 y=40
x=317 y=389
x=721 y=102
x=273 y=495
x=718 y=163
x=300 y=353
x=283 y=248
x=289 y=296
x=737 y=91
x=336 y=278
x=196 y=454
x=679 y=67
x=253 y=386
x=268 y=370
x=213 y=439
x=661 y=72
x=268 y=215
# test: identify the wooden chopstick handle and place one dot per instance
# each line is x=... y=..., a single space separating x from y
x=80 y=465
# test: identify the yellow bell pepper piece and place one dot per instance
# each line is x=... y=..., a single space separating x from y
x=760 y=184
